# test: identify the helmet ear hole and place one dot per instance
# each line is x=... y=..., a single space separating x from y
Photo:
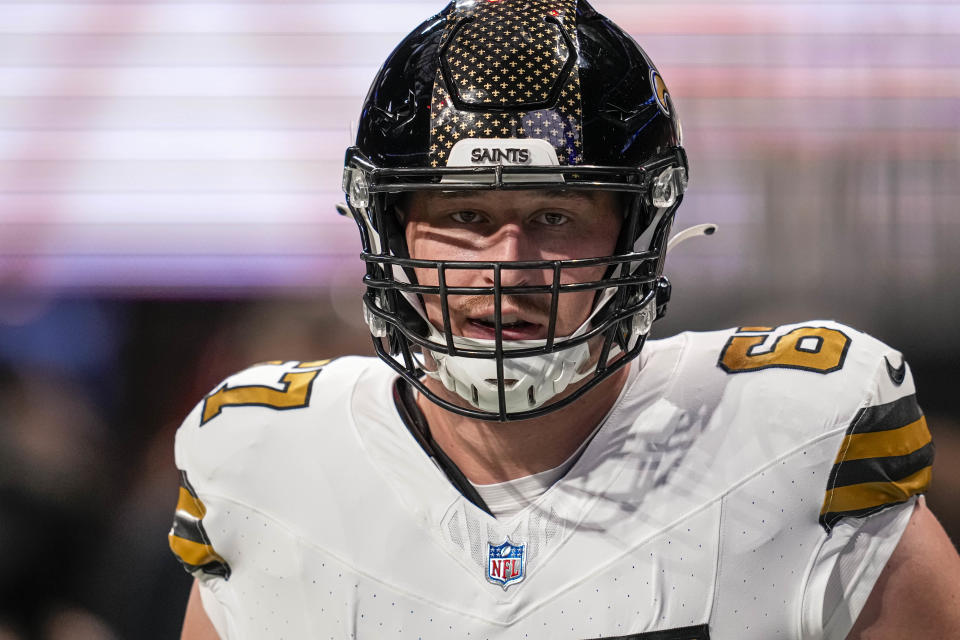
x=637 y=216
x=392 y=226
x=664 y=290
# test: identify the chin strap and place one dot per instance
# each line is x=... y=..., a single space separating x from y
x=529 y=382
x=691 y=232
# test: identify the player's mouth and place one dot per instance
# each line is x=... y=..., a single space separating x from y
x=514 y=328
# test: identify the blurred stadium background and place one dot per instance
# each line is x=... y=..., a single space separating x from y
x=168 y=175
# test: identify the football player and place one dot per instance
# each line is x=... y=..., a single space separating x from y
x=520 y=461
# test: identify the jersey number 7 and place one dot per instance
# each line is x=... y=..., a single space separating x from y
x=294 y=394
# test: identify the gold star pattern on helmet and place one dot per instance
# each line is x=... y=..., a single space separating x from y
x=508 y=70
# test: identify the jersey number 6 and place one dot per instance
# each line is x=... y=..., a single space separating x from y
x=809 y=348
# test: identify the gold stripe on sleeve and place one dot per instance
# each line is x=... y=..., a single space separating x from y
x=882 y=444
x=193 y=553
x=874 y=494
x=190 y=504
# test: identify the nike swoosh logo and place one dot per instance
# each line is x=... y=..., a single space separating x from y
x=896 y=374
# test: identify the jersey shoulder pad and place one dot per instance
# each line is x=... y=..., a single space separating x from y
x=821 y=363
x=276 y=386
x=817 y=379
x=228 y=427
x=247 y=404
x=807 y=373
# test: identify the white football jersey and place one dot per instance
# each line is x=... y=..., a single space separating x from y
x=749 y=483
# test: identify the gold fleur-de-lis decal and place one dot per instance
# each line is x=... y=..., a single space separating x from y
x=531 y=38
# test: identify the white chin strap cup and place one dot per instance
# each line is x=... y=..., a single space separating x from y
x=528 y=382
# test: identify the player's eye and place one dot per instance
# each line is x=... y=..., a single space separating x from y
x=552 y=218
x=466 y=217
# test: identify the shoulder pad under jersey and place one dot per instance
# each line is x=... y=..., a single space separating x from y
x=822 y=377
x=216 y=438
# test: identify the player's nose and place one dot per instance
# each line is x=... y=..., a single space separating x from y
x=511 y=245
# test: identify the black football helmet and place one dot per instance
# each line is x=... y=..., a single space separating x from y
x=515 y=94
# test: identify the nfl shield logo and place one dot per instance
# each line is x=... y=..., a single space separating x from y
x=506 y=563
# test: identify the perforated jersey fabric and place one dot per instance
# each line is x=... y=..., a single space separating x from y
x=694 y=511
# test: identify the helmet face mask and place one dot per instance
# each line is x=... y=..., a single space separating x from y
x=501 y=379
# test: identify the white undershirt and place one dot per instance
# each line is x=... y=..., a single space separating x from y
x=506 y=499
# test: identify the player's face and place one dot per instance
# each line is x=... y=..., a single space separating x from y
x=503 y=226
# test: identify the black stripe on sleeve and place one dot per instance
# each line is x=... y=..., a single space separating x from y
x=829 y=520
x=214 y=568
x=887 y=469
x=186 y=483
x=189 y=529
x=884 y=417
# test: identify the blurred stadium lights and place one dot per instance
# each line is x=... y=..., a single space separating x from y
x=152 y=151
x=157 y=147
